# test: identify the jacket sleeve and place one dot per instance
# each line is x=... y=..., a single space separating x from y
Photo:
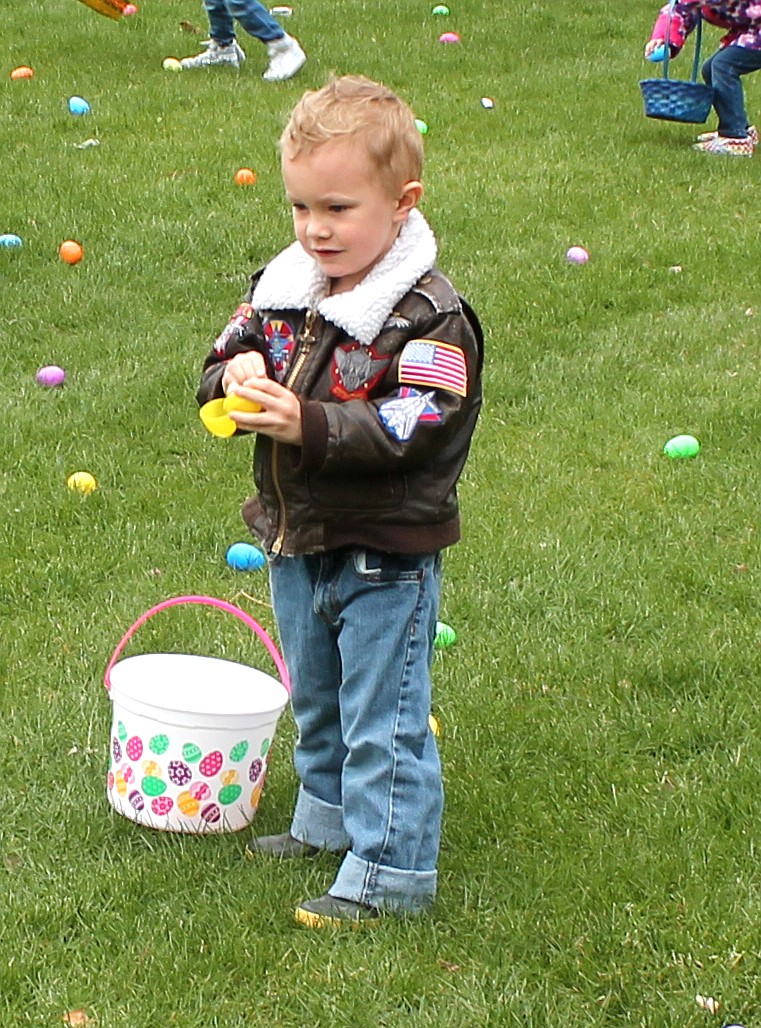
x=684 y=18
x=429 y=394
x=242 y=334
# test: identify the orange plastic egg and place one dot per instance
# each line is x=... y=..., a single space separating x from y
x=71 y=252
x=245 y=177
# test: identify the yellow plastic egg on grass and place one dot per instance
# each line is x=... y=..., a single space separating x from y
x=82 y=482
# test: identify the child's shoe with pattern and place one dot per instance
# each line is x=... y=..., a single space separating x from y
x=286 y=57
x=752 y=136
x=726 y=146
x=215 y=54
x=333 y=912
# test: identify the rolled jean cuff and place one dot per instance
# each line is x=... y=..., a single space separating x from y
x=319 y=823
x=386 y=888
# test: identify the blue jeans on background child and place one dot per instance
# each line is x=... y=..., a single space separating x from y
x=357 y=630
x=254 y=18
x=722 y=71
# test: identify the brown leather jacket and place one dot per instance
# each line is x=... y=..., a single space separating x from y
x=386 y=427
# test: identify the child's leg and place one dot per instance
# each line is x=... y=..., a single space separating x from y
x=256 y=20
x=384 y=608
x=311 y=654
x=722 y=71
x=221 y=27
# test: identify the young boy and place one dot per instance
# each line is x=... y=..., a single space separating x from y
x=366 y=365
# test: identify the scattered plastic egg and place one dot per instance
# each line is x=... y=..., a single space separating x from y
x=245 y=557
x=445 y=635
x=682 y=446
x=50 y=376
x=22 y=72
x=576 y=255
x=70 y=251
x=10 y=241
x=449 y=37
x=245 y=177
x=84 y=483
x=78 y=105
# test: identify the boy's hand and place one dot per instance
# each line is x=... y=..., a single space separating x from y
x=241 y=368
x=280 y=417
x=653 y=45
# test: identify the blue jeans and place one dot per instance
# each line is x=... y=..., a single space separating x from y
x=254 y=18
x=723 y=71
x=357 y=630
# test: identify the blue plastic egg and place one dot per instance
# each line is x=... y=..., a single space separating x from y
x=245 y=557
x=77 y=105
x=10 y=241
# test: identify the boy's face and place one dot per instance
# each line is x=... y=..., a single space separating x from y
x=345 y=216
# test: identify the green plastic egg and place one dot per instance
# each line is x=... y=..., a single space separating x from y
x=445 y=635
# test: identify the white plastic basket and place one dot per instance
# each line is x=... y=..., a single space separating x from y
x=191 y=735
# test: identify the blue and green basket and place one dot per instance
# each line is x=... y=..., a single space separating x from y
x=678 y=99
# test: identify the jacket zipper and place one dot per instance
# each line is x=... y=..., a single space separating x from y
x=305 y=345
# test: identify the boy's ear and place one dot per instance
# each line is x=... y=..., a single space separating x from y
x=409 y=197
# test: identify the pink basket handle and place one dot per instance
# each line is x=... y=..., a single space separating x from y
x=206 y=601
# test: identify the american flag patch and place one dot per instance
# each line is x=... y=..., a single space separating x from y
x=428 y=362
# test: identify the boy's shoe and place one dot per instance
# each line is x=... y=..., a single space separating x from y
x=215 y=54
x=286 y=57
x=282 y=846
x=726 y=147
x=752 y=136
x=332 y=912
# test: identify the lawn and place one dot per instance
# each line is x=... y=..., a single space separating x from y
x=600 y=707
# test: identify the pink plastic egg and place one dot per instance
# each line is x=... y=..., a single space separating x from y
x=50 y=376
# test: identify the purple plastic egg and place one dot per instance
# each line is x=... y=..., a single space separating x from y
x=50 y=376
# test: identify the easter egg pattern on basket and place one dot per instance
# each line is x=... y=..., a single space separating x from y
x=191 y=735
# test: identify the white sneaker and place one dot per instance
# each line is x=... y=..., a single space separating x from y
x=286 y=57
x=231 y=55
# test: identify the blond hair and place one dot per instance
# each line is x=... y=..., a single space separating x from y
x=355 y=107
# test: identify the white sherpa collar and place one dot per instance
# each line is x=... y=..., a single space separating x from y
x=293 y=280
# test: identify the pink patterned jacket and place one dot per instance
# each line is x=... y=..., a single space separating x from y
x=741 y=17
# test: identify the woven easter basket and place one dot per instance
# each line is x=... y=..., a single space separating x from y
x=109 y=8
x=678 y=99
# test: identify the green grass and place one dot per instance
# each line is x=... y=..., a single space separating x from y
x=600 y=708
